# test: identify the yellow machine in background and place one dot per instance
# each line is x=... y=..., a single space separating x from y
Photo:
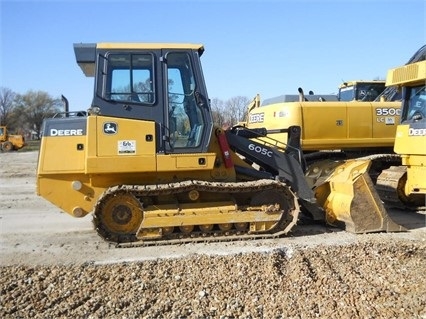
x=360 y=90
x=10 y=142
x=353 y=129
x=150 y=166
x=329 y=125
x=407 y=184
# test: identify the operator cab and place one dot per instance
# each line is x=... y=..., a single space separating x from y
x=411 y=78
x=162 y=83
x=360 y=90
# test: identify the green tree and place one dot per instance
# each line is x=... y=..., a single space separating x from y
x=34 y=106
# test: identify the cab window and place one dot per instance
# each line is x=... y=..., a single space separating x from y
x=346 y=93
x=369 y=92
x=131 y=78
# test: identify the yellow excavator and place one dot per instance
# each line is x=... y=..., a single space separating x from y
x=328 y=124
x=332 y=130
x=148 y=163
x=353 y=125
x=406 y=184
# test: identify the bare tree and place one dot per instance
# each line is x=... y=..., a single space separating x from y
x=7 y=104
x=236 y=109
x=218 y=108
x=35 y=106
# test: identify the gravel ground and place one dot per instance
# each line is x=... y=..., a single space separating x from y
x=334 y=275
x=353 y=281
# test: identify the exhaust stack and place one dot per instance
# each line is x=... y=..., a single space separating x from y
x=66 y=105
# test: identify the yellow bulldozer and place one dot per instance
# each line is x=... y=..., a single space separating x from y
x=407 y=183
x=10 y=142
x=149 y=165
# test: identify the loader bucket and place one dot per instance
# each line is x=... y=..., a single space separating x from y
x=350 y=200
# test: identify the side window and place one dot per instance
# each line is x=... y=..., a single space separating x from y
x=346 y=94
x=179 y=127
x=131 y=78
x=185 y=118
x=417 y=108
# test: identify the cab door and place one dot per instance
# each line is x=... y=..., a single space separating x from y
x=187 y=113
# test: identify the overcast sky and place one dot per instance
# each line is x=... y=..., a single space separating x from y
x=268 y=47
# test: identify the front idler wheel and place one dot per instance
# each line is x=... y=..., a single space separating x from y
x=118 y=218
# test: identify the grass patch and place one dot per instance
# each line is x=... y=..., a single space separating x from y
x=33 y=145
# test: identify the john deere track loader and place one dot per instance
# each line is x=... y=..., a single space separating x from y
x=150 y=166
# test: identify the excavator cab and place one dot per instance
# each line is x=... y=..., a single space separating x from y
x=360 y=90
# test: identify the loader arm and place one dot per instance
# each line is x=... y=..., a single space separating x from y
x=342 y=193
x=285 y=166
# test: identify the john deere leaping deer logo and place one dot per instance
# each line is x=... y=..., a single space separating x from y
x=110 y=128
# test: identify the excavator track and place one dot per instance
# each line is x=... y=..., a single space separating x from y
x=135 y=215
x=379 y=163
